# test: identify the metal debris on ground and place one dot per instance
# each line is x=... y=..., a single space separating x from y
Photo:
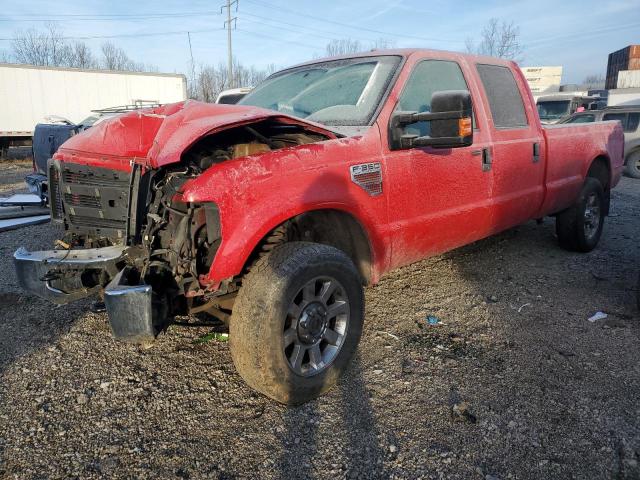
x=21 y=200
x=597 y=316
x=13 y=223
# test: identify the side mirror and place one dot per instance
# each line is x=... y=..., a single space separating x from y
x=450 y=120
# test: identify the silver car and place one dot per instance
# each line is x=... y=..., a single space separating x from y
x=630 y=119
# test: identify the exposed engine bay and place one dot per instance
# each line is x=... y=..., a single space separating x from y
x=167 y=244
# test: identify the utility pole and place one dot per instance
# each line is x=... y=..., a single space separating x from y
x=227 y=24
x=193 y=65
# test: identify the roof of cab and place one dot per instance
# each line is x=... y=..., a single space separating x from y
x=407 y=52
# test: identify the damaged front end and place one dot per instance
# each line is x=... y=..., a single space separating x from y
x=129 y=239
x=130 y=235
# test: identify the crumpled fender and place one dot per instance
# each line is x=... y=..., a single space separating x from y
x=255 y=194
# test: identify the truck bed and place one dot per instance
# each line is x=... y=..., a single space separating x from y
x=570 y=150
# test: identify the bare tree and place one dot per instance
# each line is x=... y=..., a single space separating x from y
x=211 y=80
x=82 y=56
x=43 y=48
x=49 y=47
x=114 y=58
x=498 y=39
x=383 y=44
x=343 y=47
x=594 y=82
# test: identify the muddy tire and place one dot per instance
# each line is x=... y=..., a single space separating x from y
x=579 y=227
x=297 y=321
x=632 y=164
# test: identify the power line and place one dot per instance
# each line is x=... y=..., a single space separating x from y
x=256 y=34
x=128 y=35
x=289 y=29
x=107 y=17
x=327 y=34
x=355 y=27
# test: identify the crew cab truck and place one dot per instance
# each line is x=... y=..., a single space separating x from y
x=273 y=214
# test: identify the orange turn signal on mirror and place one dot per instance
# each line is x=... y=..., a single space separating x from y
x=464 y=127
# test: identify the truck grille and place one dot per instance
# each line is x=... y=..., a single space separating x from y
x=78 y=200
x=55 y=199
x=107 y=178
x=93 y=201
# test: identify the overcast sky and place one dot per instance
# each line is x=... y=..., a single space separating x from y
x=577 y=34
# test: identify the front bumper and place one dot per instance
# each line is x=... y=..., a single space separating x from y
x=63 y=276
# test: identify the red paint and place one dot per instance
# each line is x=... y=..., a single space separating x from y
x=432 y=200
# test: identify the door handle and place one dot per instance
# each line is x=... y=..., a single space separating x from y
x=486 y=159
x=536 y=152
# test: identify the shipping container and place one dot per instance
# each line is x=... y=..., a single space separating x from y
x=627 y=58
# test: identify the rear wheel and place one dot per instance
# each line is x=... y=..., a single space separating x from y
x=297 y=321
x=579 y=227
x=632 y=165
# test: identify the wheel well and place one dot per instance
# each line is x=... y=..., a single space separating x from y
x=329 y=227
x=601 y=170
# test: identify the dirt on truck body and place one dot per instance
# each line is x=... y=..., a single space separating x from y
x=271 y=215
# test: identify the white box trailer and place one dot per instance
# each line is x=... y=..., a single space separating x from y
x=624 y=97
x=29 y=93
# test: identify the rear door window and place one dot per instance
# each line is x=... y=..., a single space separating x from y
x=505 y=100
x=621 y=117
x=633 y=120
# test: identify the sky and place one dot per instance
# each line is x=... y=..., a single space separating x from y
x=576 y=34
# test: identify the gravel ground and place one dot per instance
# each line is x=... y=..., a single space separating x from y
x=514 y=382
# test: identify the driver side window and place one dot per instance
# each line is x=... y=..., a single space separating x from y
x=428 y=77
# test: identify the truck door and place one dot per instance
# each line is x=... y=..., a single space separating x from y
x=439 y=197
x=518 y=149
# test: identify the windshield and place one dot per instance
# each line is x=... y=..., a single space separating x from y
x=554 y=110
x=339 y=92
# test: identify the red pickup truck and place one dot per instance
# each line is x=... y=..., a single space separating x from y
x=273 y=214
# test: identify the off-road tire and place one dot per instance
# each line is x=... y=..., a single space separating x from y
x=570 y=224
x=260 y=312
x=632 y=164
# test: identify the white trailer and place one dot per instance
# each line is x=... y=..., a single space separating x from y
x=624 y=97
x=28 y=94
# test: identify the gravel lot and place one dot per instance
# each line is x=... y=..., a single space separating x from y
x=514 y=382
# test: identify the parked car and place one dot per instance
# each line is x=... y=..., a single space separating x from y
x=554 y=108
x=273 y=214
x=232 y=96
x=629 y=117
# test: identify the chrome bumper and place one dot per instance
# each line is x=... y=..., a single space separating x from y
x=63 y=276
x=60 y=276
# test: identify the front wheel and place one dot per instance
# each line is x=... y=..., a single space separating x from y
x=632 y=165
x=580 y=226
x=297 y=321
